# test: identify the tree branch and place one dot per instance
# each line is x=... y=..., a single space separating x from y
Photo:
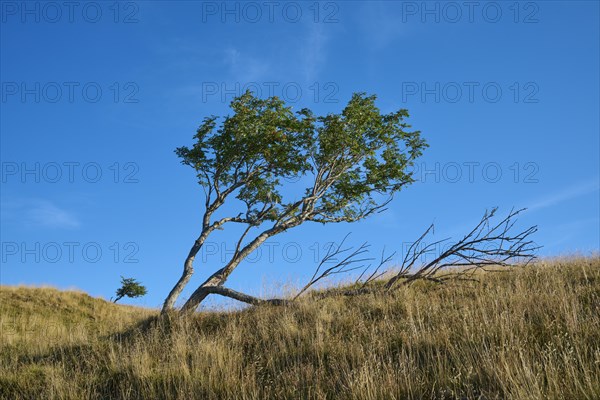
x=245 y=298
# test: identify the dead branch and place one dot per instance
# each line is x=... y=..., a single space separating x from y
x=347 y=264
x=245 y=298
x=484 y=246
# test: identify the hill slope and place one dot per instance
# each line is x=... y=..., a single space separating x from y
x=42 y=317
x=530 y=333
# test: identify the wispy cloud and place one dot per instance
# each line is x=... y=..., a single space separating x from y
x=573 y=192
x=244 y=67
x=34 y=213
x=313 y=52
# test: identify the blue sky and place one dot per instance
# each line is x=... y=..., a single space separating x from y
x=97 y=95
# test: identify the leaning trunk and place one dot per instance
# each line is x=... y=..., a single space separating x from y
x=219 y=277
x=188 y=271
x=216 y=279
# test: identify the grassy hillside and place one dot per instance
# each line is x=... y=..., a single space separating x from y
x=532 y=333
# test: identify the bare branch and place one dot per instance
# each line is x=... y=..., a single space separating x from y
x=347 y=264
x=245 y=298
x=375 y=275
x=485 y=245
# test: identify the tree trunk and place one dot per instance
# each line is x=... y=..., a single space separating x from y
x=188 y=271
x=216 y=279
x=219 y=277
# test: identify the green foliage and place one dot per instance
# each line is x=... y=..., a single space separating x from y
x=356 y=159
x=130 y=288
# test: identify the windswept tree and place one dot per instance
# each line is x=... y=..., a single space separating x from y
x=130 y=287
x=350 y=165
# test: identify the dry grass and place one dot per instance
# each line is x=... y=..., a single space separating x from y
x=532 y=333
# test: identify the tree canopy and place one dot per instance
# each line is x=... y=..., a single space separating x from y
x=130 y=287
x=353 y=156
